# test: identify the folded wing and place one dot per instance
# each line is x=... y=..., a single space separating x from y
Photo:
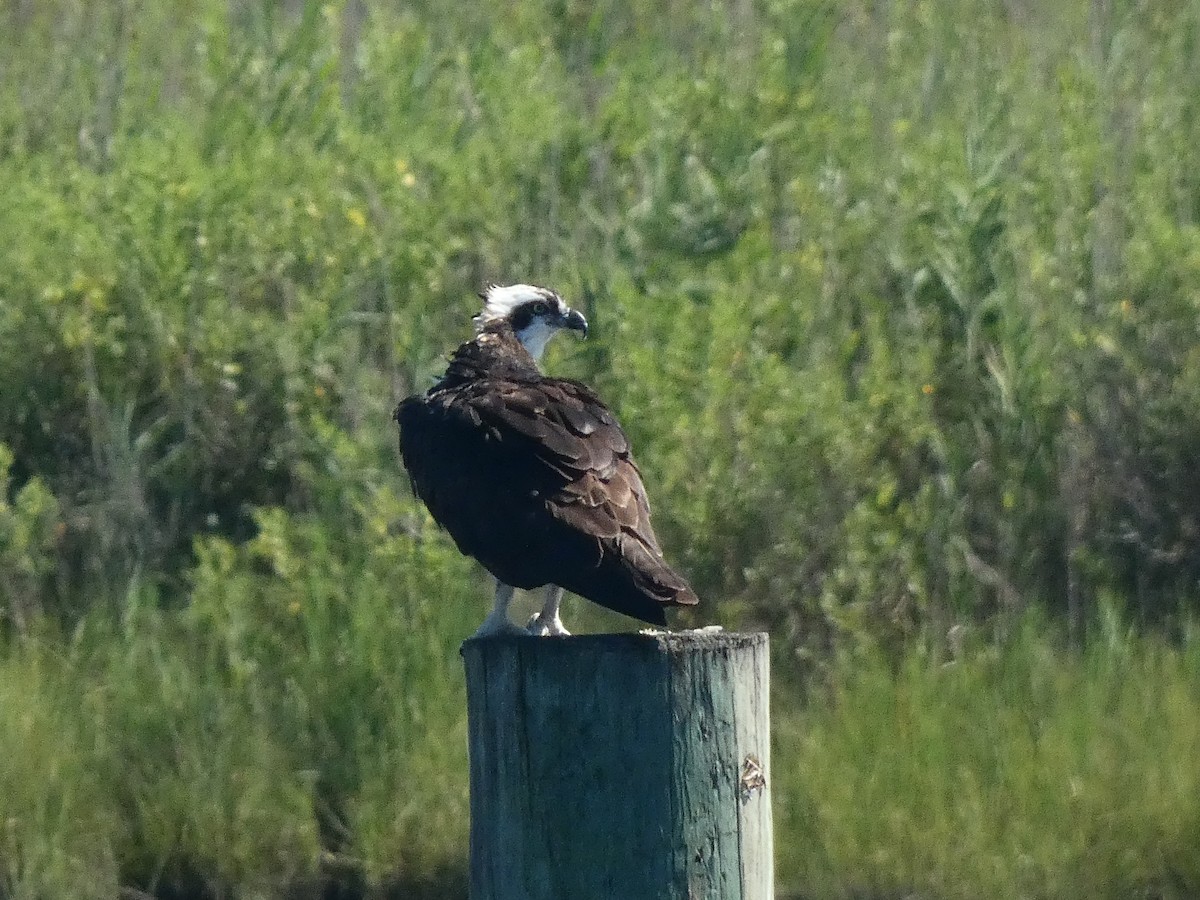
x=535 y=479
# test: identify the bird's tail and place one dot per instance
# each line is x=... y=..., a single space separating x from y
x=637 y=582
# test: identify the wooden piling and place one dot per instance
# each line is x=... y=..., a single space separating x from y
x=620 y=766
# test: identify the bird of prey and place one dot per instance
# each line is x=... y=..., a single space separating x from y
x=533 y=476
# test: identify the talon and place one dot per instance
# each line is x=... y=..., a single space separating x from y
x=539 y=628
x=493 y=626
x=497 y=621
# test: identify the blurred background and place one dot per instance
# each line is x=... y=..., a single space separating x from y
x=898 y=302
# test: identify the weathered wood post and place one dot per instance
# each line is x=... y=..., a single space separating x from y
x=620 y=766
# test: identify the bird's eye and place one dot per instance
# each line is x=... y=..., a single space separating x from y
x=539 y=309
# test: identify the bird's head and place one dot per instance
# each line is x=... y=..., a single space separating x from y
x=536 y=314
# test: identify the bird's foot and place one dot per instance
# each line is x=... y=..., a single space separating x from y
x=495 y=625
x=540 y=627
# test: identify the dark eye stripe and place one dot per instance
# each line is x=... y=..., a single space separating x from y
x=522 y=316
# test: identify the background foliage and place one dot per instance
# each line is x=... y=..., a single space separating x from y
x=898 y=302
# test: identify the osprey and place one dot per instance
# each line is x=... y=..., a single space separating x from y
x=531 y=475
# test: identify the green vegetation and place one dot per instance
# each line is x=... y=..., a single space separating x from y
x=1014 y=772
x=898 y=302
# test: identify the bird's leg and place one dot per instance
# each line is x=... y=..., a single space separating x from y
x=497 y=621
x=547 y=623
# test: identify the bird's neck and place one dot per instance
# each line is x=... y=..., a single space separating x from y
x=495 y=350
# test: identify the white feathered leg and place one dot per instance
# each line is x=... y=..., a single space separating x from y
x=497 y=621
x=547 y=623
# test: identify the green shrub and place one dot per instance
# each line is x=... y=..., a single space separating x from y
x=29 y=532
x=897 y=304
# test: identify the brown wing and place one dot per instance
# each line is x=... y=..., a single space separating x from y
x=540 y=486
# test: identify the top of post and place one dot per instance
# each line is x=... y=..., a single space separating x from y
x=668 y=642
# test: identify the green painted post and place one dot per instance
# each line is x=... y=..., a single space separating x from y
x=623 y=766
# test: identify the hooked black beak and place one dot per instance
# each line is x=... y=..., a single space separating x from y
x=575 y=321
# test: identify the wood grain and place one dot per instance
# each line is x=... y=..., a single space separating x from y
x=620 y=766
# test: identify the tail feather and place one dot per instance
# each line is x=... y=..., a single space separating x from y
x=635 y=584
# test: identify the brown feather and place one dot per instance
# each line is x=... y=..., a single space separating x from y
x=534 y=477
